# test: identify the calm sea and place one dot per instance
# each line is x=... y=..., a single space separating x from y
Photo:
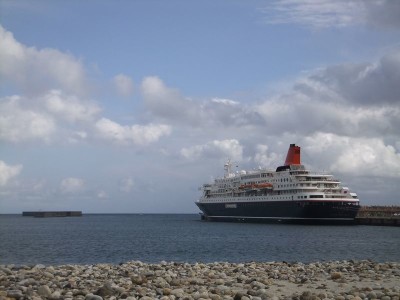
x=184 y=238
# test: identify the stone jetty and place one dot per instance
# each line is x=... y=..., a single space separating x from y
x=49 y=214
x=337 y=280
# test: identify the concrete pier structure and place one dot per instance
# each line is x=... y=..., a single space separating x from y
x=48 y=214
x=379 y=215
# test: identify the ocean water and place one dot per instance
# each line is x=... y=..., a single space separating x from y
x=94 y=239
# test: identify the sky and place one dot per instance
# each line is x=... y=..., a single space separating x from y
x=130 y=106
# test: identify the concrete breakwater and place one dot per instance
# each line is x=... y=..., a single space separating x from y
x=50 y=214
x=344 y=280
x=379 y=215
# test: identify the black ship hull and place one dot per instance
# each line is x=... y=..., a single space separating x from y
x=298 y=212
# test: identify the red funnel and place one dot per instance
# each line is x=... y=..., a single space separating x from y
x=293 y=155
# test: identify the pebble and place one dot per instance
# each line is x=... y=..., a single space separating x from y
x=44 y=291
x=336 y=275
x=332 y=280
x=15 y=294
x=93 y=297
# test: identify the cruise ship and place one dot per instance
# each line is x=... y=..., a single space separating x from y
x=289 y=194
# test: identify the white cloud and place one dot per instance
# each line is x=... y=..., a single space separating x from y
x=323 y=13
x=369 y=157
x=265 y=158
x=127 y=185
x=102 y=195
x=40 y=118
x=123 y=85
x=19 y=124
x=367 y=83
x=326 y=13
x=38 y=185
x=77 y=137
x=346 y=99
x=137 y=134
x=70 y=107
x=217 y=148
x=228 y=113
x=383 y=13
x=357 y=156
x=72 y=185
x=225 y=101
x=8 y=172
x=168 y=103
x=36 y=71
x=305 y=114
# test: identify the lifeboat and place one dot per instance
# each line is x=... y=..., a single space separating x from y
x=246 y=186
x=265 y=185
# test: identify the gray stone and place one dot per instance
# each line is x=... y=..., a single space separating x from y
x=178 y=293
x=27 y=282
x=55 y=295
x=204 y=295
x=5 y=270
x=307 y=295
x=39 y=267
x=239 y=295
x=160 y=282
x=48 y=275
x=44 y=291
x=336 y=275
x=166 y=291
x=105 y=290
x=93 y=297
x=138 y=279
x=14 y=294
x=258 y=285
x=215 y=297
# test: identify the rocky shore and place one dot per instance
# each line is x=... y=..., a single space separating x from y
x=339 y=280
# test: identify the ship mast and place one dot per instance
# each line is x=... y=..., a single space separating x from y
x=228 y=168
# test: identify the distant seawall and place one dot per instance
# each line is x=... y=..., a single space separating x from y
x=379 y=215
x=48 y=214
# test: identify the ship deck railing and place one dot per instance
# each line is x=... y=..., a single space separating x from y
x=318 y=180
